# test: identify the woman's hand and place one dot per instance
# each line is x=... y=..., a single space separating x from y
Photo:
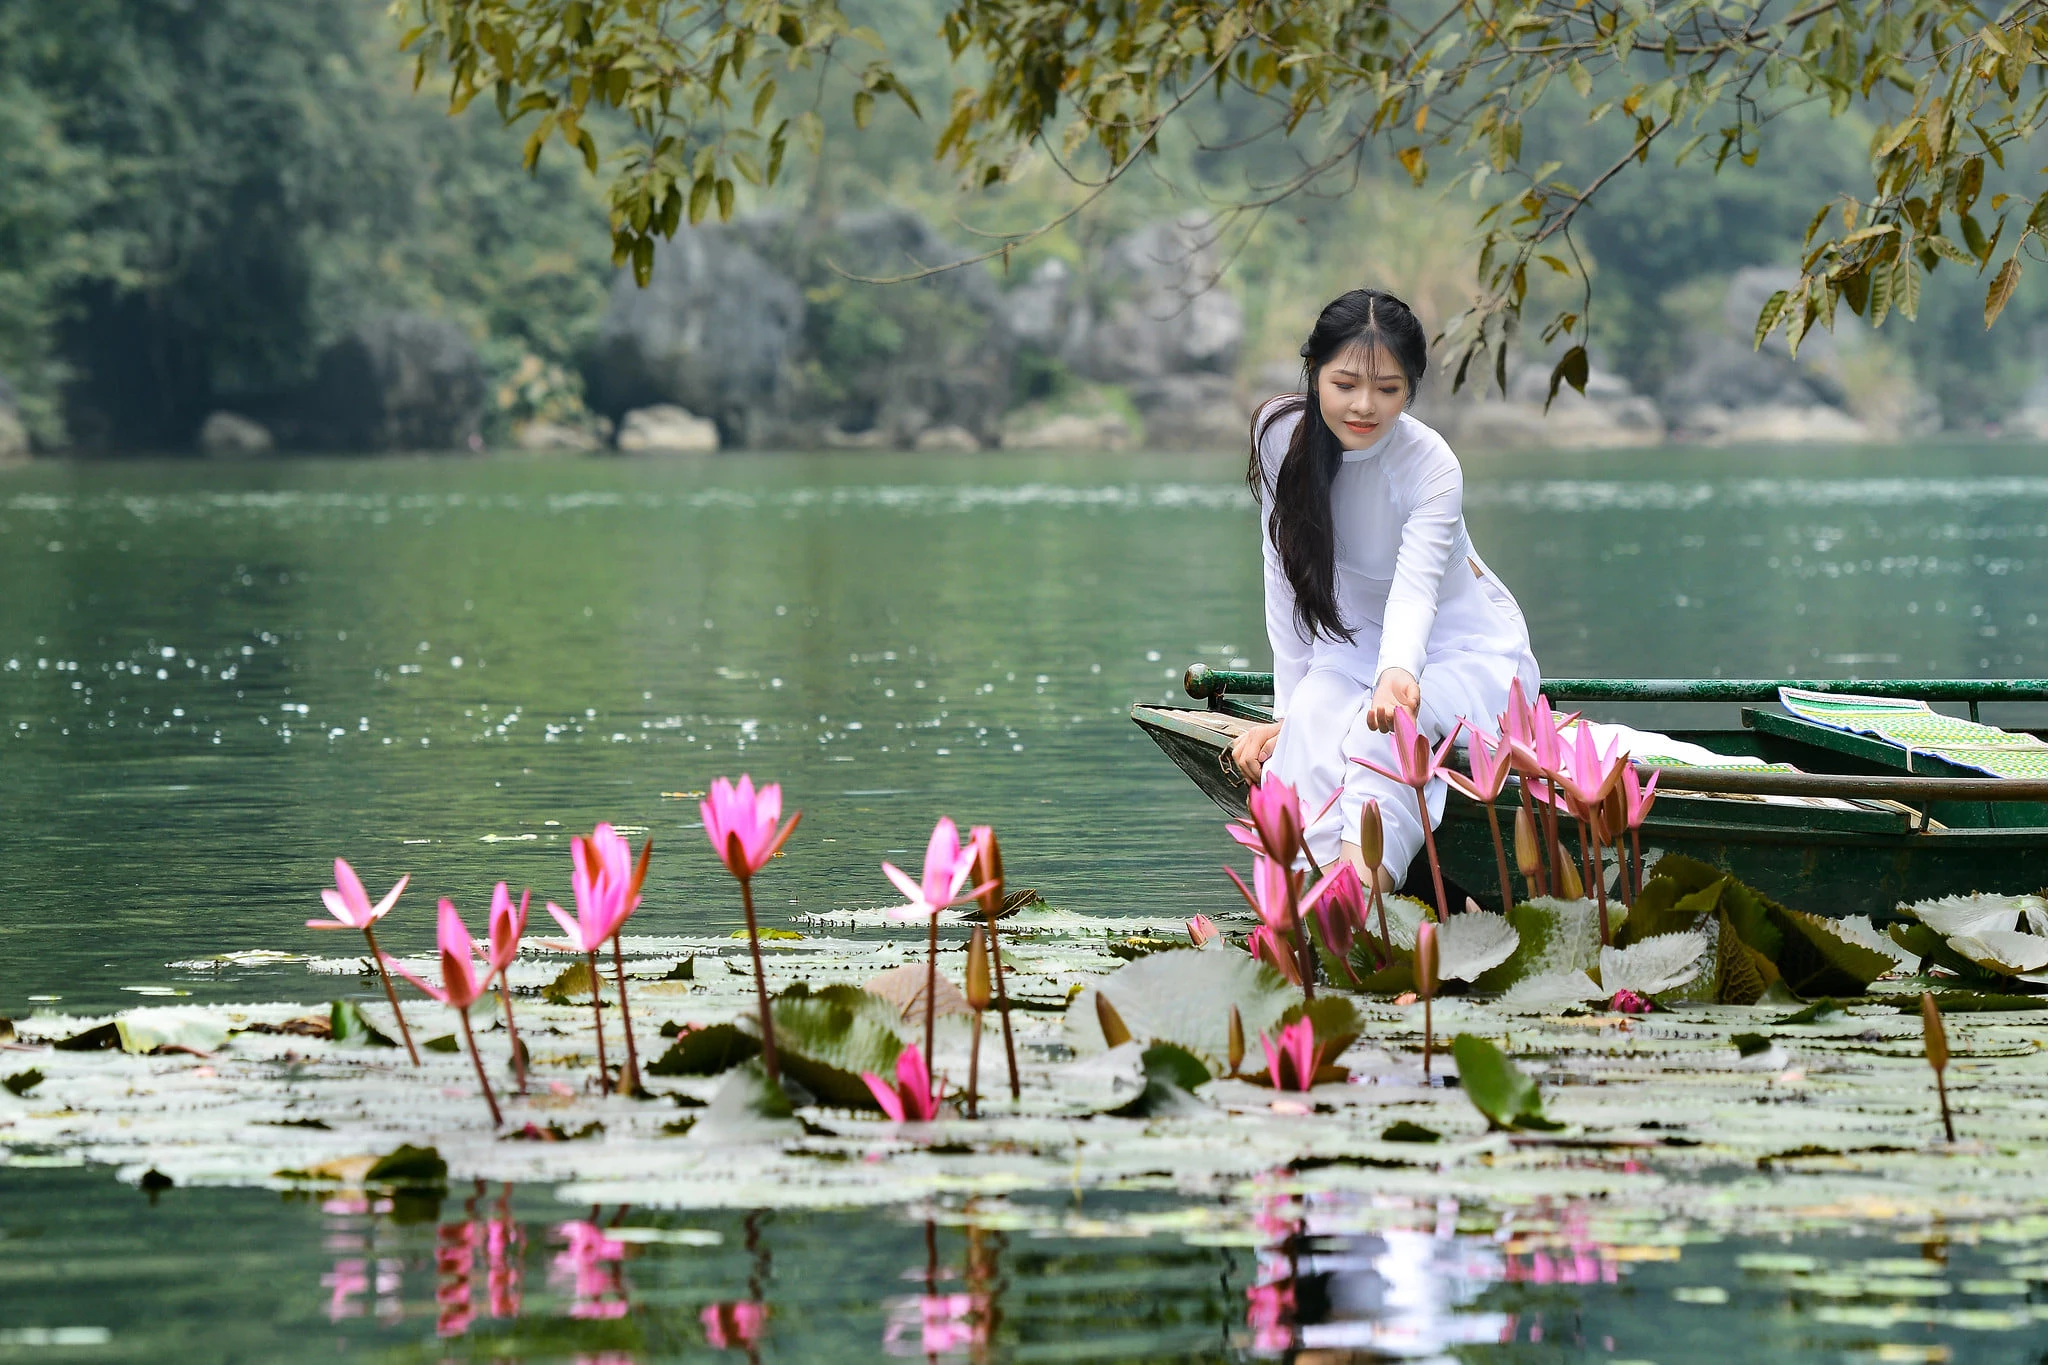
x=1397 y=688
x=1250 y=750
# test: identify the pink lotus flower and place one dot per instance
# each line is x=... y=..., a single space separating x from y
x=1637 y=795
x=462 y=981
x=1414 y=763
x=1337 y=904
x=948 y=865
x=1276 y=815
x=1629 y=1002
x=1292 y=1063
x=735 y=1325
x=1270 y=894
x=1590 y=773
x=740 y=823
x=1201 y=930
x=508 y=925
x=910 y=1100
x=350 y=904
x=601 y=875
x=1490 y=765
x=1266 y=945
x=351 y=908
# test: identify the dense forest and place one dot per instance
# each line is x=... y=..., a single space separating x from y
x=203 y=207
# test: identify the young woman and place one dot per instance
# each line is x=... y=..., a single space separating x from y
x=1375 y=596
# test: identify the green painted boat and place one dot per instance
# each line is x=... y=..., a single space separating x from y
x=1861 y=827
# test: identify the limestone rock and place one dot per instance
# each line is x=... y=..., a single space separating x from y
x=1193 y=412
x=715 y=331
x=1773 y=424
x=13 y=434
x=1029 y=430
x=230 y=435
x=553 y=436
x=667 y=427
x=399 y=382
x=1724 y=375
x=1609 y=415
x=1157 y=309
x=947 y=439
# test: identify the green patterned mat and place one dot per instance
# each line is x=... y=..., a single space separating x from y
x=1919 y=729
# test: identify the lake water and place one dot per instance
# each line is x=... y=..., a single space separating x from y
x=216 y=678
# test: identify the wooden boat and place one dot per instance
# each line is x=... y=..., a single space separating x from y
x=1860 y=828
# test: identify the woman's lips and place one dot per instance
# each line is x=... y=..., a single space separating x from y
x=1363 y=426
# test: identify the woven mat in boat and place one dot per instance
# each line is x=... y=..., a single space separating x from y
x=1918 y=728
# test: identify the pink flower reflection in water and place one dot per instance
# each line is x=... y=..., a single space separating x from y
x=591 y=1263
x=735 y=1325
x=454 y=1257
x=503 y=1243
x=935 y=1324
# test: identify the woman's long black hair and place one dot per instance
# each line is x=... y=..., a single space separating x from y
x=1299 y=519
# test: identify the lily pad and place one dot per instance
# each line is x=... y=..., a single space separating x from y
x=825 y=1039
x=1402 y=1130
x=705 y=1051
x=148 y=1030
x=1750 y=1044
x=446 y=1042
x=1172 y=1075
x=1654 y=966
x=21 y=1082
x=1974 y=914
x=2003 y=950
x=1184 y=996
x=572 y=987
x=1551 y=989
x=1553 y=937
x=746 y=1109
x=408 y=1167
x=1499 y=1089
x=1469 y=945
x=1975 y=1002
x=349 y=1027
x=903 y=987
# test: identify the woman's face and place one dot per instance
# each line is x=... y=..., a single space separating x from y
x=1361 y=391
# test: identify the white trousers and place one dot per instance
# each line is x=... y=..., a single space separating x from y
x=1325 y=729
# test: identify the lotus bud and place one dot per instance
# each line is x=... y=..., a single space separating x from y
x=988 y=868
x=1114 y=1031
x=1613 y=815
x=1236 y=1040
x=978 y=993
x=1471 y=906
x=1936 y=1038
x=1202 y=930
x=1569 y=886
x=1425 y=959
x=1528 y=861
x=1372 y=839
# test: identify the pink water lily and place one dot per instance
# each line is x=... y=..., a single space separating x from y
x=1201 y=930
x=607 y=885
x=735 y=1325
x=948 y=867
x=1266 y=944
x=1591 y=775
x=1275 y=894
x=1491 y=762
x=1637 y=798
x=1630 y=1002
x=350 y=905
x=1276 y=816
x=910 y=1099
x=740 y=823
x=508 y=925
x=463 y=981
x=1337 y=906
x=1292 y=1061
x=1414 y=765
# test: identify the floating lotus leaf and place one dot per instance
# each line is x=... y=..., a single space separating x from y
x=572 y=987
x=1818 y=960
x=706 y=1051
x=825 y=1039
x=1553 y=938
x=1549 y=989
x=349 y=1027
x=903 y=987
x=147 y=1030
x=1653 y=966
x=1184 y=996
x=408 y=1167
x=2003 y=950
x=1951 y=915
x=1498 y=1089
x=1469 y=945
x=1402 y=1130
x=746 y=1109
x=1172 y=1075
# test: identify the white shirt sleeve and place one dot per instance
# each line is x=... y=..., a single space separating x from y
x=1433 y=488
x=1290 y=650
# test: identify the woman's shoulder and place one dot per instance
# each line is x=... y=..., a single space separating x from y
x=1421 y=459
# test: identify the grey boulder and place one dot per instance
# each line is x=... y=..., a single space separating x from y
x=399 y=382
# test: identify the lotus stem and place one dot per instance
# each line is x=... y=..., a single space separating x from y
x=995 y=950
x=377 y=957
x=1386 y=943
x=512 y=1032
x=1428 y=1032
x=974 y=1070
x=1436 y=870
x=1553 y=851
x=629 y=1079
x=768 y=1062
x=1500 y=856
x=931 y=989
x=1305 y=952
x=469 y=1036
x=1635 y=839
x=1600 y=889
x=604 y=1074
